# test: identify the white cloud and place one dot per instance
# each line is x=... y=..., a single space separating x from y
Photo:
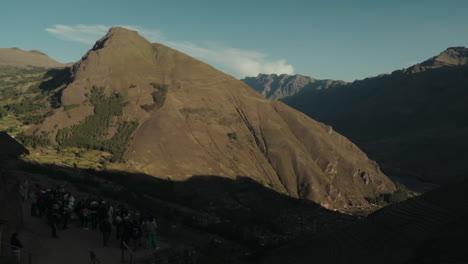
x=239 y=63
x=79 y=33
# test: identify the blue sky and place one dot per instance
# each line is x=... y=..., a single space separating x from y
x=344 y=40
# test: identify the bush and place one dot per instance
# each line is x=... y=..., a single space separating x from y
x=159 y=96
x=233 y=135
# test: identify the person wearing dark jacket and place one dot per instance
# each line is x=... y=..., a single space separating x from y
x=106 y=229
x=16 y=247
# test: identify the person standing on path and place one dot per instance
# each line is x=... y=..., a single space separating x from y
x=106 y=229
x=150 y=227
x=54 y=219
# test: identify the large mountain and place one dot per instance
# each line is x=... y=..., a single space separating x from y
x=180 y=117
x=414 y=121
x=275 y=87
x=21 y=58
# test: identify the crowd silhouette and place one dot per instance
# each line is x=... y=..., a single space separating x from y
x=133 y=229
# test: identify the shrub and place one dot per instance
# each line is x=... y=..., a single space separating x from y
x=232 y=135
x=159 y=96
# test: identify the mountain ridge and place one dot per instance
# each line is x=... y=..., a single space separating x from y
x=397 y=117
x=192 y=119
x=275 y=87
x=20 y=58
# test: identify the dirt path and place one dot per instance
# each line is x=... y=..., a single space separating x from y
x=72 y=246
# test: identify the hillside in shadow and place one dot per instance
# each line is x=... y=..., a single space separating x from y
x=240 y=211
x=414 y=123
x=431 y=228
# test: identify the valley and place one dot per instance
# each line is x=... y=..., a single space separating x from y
x=278 y=168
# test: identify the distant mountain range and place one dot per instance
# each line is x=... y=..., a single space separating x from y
x=164 y=113
x=275 y=87
x=414 y=121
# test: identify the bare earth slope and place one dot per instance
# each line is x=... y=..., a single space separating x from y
x=21 y=58
x=208 y=123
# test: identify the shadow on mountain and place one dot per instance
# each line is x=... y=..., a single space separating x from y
x=239 y=210
x=413 y=123
x=431 y=228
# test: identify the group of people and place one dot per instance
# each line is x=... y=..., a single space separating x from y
x=60 y=207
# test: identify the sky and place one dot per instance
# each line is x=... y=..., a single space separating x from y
x=342 y=40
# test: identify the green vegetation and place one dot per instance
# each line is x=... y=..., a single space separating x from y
x=8 y=93
x=34 y=119
x=12 y=77
x=159 y=96
x=34 y=141
x=90 y=133
x=26 y=106
x=3 y=112
x=69 y=107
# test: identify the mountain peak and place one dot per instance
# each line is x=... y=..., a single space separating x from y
x=452 y=56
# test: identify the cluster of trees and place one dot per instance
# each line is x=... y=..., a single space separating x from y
x=159 y=96
x=41 y=140
x=24 y=107
x=8 y=93
x=35 y=119
x=89 y=134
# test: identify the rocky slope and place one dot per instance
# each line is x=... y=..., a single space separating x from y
x=181 y=117
x=276 y=87
x=21 y=58
x=412 y=121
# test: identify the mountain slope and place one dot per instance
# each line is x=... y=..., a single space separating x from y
x=181 y=117
x=427 y=229
x=413 y=121
x=20 y=58
x=276 y=87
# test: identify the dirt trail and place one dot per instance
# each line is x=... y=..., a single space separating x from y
x=72 y=246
